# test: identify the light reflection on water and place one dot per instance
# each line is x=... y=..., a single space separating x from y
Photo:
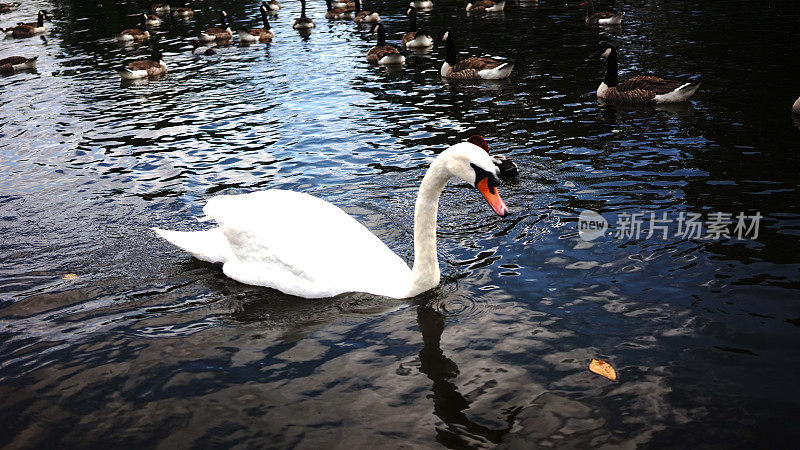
x=149 y=346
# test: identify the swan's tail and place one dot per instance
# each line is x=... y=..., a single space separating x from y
x=210 y=245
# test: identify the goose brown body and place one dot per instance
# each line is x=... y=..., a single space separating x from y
x=8 y=7
x=136 y=34
x=153 y=68
x=13 y=63
x=641 y=89
x=481 y=6
x=468 y=69
x=375 y=54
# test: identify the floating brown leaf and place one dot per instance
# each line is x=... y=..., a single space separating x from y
x=69 y=276
x=603 y=368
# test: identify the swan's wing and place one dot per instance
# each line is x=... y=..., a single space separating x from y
x=210 y=245
x=301 y=237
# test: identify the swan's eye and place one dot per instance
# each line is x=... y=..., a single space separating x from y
x=481 y=174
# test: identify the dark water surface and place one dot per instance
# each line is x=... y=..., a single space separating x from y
x=151 y=348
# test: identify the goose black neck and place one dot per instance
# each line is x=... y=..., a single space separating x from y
x=589 y=8
x=143 y=22
x=451 y=57
x=223 y=20
x=358 y=6
x=412 y=18
x=381 y=35
x=611 y=79
x=40 y=20
x=303 y=9
x=328 y=4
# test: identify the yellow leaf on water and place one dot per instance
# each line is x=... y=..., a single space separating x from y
x=69 y=276
x=603 y=368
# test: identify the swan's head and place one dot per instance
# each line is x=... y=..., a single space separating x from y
x=470 y=161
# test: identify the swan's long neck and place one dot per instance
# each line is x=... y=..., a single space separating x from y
x=425 y=273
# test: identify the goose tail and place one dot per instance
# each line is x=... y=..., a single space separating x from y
x=617 y=19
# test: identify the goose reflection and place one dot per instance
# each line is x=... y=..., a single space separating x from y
x=448 y=403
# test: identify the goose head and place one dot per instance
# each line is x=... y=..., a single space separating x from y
x=603 y=50
x=444 y=35
x=223 y=18
x=470 y=161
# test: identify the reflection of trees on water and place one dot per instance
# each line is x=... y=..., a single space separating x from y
x=448 y=403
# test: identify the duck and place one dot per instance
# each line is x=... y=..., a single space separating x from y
x=796 y=106
x=415 y=38
x=383 y=54
x=136 y=34
x=474 y=68
x=273 y=6
x=258 y=34
x=337 y=13
x=421 y=5
x=365 y=16
x=182 y=12
x=303 y=22
x=144 y=68
x=601 y=18
x=8 y=7
x=222 y=33
x=15 y=63
x=199 y=49
x=304 y=246
x=643 y=89
x=484 y=6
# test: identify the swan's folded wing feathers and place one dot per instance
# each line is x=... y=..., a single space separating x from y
x=303 y=236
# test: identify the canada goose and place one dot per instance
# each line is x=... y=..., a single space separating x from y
x=646 y=89
x=258 y=34
x=8 y=7
x=218 y=34
x=601 y=18
x=474 y=68
x=14 y=63
x=337 y=13
x=383 y=54
x=200 y=50
x=30 y=29
x=182 y=12
x=159 y=8
x=273 y=6
x=421 y=5
x=303 y=22
x=415 y=38
x=136 y=34
x=153 y=20
x=365 y=16
x=484 y=6
x=144 y=68
x=796 y=106
x=347 y=5
x=39 y=26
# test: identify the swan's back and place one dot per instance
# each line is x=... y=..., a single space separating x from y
x=304 y=246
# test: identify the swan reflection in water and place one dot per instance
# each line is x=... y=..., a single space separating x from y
x=448 y=403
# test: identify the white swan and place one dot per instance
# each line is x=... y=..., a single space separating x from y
x=305 y=246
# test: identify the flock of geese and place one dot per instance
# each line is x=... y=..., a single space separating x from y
x=642 y=89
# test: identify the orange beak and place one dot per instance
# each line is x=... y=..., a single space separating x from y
x=493 y=197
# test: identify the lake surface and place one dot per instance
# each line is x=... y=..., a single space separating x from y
x=150 y=348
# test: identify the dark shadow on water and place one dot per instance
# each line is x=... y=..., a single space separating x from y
x=448 y=403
